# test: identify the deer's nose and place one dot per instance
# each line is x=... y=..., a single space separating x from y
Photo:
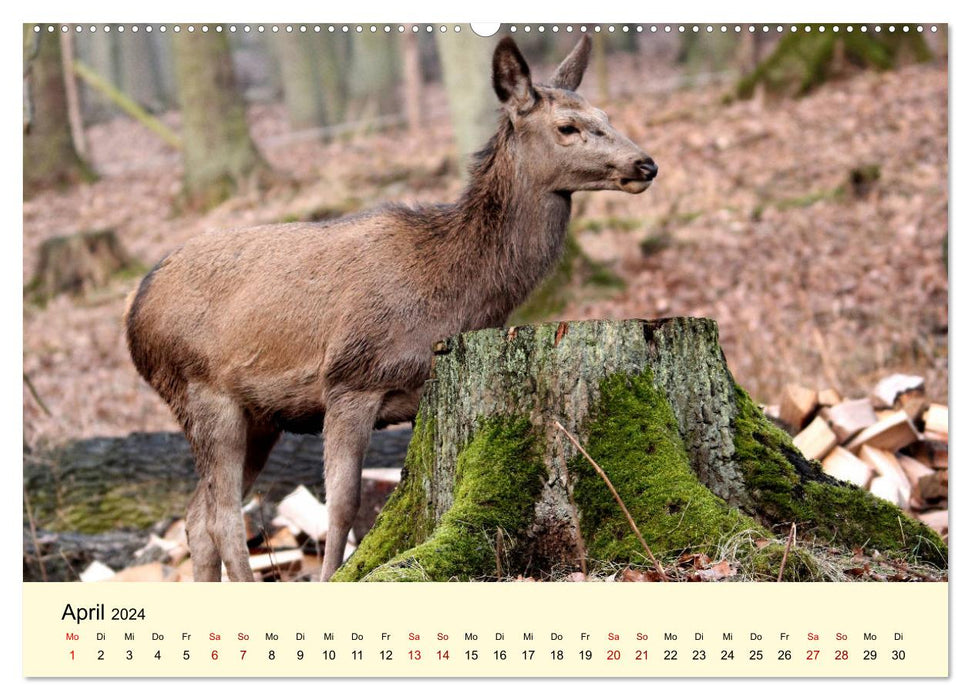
x=647 y=167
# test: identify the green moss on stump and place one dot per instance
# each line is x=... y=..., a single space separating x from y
x=789 y=488
x=498 y=477
x=632 y=434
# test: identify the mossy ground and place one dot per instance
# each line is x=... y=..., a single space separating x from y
x=498 y=477
x=789 y=488
x=632 y=434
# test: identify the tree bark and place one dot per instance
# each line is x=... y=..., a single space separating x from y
x=218 y=152
x=492 y=488
x=50 y=159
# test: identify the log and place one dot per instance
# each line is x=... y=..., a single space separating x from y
x=98 y=498
x=492 y=489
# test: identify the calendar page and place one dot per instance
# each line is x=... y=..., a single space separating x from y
x=540 y=350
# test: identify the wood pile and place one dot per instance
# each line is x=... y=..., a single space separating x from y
x=286 y=543
x=892 y=442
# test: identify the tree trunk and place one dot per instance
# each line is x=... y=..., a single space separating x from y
x=372 y=83
x=218 y=152
x=50 y=159
x=467 y=73
x=141 y=76
x=301 y=89
x=492 y=488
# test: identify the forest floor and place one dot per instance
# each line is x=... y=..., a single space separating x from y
x=754 y=221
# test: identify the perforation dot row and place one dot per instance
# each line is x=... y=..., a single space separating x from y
x=428 y=28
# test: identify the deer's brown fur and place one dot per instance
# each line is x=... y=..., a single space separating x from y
x=301 y=327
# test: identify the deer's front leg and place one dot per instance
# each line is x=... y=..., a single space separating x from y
x=347 y=432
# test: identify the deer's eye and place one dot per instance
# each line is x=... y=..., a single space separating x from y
x=568 y=129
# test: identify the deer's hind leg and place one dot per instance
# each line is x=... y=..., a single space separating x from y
x=229 y=455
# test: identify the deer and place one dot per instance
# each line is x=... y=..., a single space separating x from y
x=308 y=327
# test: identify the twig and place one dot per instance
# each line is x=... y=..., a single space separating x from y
x=785 y=553
x=37 y=398
x=33 y=534
x=903 y=536
x=617 y=498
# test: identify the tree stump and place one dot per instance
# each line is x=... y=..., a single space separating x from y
x=78 y=264
x=493 y=489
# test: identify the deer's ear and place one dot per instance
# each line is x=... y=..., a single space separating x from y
x=569 y=73
x=510 y=76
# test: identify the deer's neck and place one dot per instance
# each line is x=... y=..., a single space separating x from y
x=510 y=229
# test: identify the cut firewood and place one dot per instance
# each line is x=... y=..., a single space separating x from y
x=913 y=403
x=888 y=489
x=306 y=512
x=311 y=566
x=935 y=420
x=933 y=486
x=844 y=465
x=175 y=531
x=829 y=397
x=892 y=433
x=97 y=571
x=850 y=417
x=914 y=469
x=798 y=404
x=286 y=560
x=185 y=571
x=156 y=572
x=282 y=539
x=936 y=520
x=933 y=453
x=886 y=466
x=816 y=440
x=390 y=475
x=889 y=388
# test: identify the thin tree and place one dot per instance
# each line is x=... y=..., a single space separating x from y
x=50 y=158
x=301 y=90
x=219 y=155
x=466 y=67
